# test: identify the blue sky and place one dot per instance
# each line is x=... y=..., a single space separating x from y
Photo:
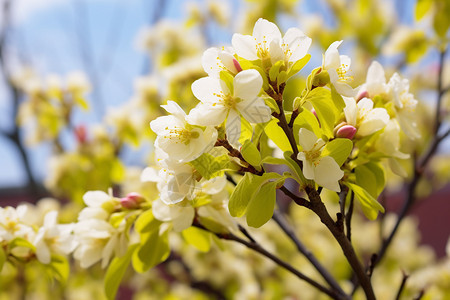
x=45 y=35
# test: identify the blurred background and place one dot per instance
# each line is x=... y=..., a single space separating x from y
x=78 y=79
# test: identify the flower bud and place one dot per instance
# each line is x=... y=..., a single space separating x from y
x=132 y=200
x=362 y=94
x=81 y=134
x=346 y=131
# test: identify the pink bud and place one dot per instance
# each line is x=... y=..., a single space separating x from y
x=132 y=200
x=346 y=131
x=315 y=114
x=237 y=65
x=362 y=94
x=81 y=134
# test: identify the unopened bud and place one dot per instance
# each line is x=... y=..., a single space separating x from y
x=362 y=94
x=237 y=65
x=132 y=200
x=81 y=134
x=346 y=131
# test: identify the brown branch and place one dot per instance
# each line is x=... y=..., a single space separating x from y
x=281 y=221
x=259 y=249
x=402 y=286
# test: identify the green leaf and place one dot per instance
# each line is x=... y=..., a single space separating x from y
x=228 y=79
x=422 y=7
x=276 y=134
x=308 y=120
x=153 y=249
x=320 y=98
x=251 y=153
x=295 y=167
x=210 y=166
x=275 y=69
x=2 y=258
x=298 y=65
x=58 y=268
x=198 y=238
x=21 y=242
x=116 y=271
x=246 y=131
x=282 y=77
x=146 y=222
x=369 y=204
x=260 y=208
x=271 y=103
x=441 y=20
x=244 y=191
x=339 y=149
x=370 y=176
x=337 y=99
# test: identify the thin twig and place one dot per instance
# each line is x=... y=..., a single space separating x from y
x=402 y=286
x=258 y=248
x=348 y=217
x=281 y=221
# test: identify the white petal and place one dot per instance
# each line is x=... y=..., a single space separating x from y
x=247 y=84
x=266 y=31
x=161 y=211
x=297 y=43
x=245 y=46
x=306 y=139
x=95 y=198
x=376 y=119
x=173 y=108
x=43 y=253
x=150 y=174
x=255 y=111
x=207 y=115
x=233 y=127
x=185 y=219
x=350 y=110
x=229 y=62
x=214 y=185
x=308 y=169
x=342 y=88
x=50 y=219
x=208 y=89
x=276 y=52
x=211 y=62
x=332 y=58
x=376 y=79
x=327 y=174
x=161 y=124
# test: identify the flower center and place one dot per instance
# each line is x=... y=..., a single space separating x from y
x=342 y=73
x=181 y=135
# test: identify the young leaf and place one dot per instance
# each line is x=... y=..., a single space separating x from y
x=308 y=120
x=58 y=268
x=116 y=271
x=369 y=205
x=2 y=258
x=251 y=153
x=244 y=191
x=298 y=65
x=210 y=166
x=275 y=69
x=260 y=208
x=276 y=134
x=320 y=98
x=339 y=149
x=146 y=222
x=198 y=238
x=153 y=249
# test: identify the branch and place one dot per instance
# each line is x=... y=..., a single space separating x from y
x=281 y=221
x=402 y=286
x=319 y=208
x=258 y=248
x=298 y=200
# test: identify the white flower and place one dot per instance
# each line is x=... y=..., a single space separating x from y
x=338 y=67
x=364 y=117
x=180 y=140
x=175 y=182
x=219 y=103
x=53 y=238
x=12 y=223
x=98 y=240
x=322 y=169
x=215 y=60
x=389 y=140
x=375 y=80
x=97 y=205
x=180 y=215
x=405 y=105
x=266 y=42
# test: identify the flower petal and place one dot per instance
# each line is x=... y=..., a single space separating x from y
x=247 y=84
x=245 y=46
x=208 y=89
x=331 y=57
x=327 y=173
x=207 y=114
x=306 y=139
x=266 y=31
x=255 y=111
x=233 y=128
